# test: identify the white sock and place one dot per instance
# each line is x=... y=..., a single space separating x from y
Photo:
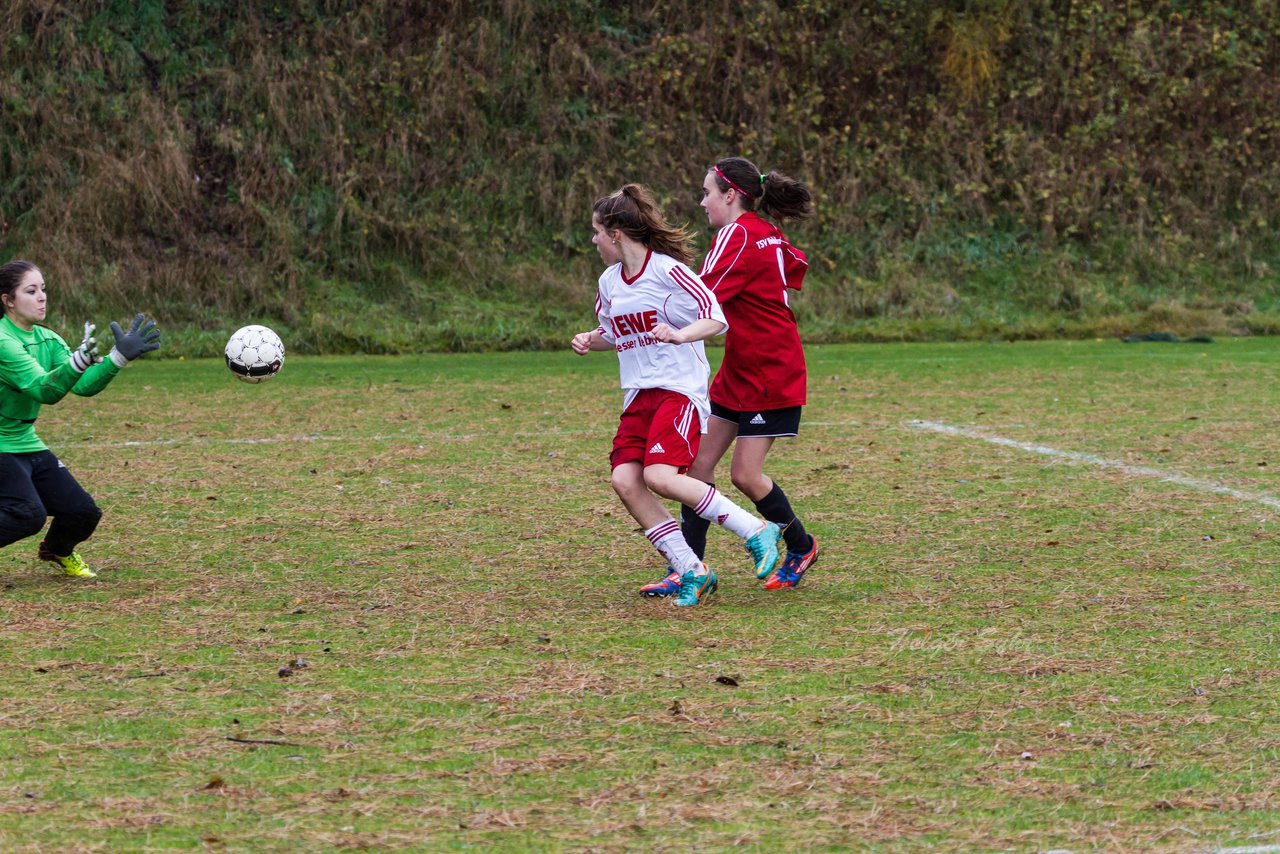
x=666 y=538
x=714 y=507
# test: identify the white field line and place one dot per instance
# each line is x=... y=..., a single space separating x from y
x=1100 y=462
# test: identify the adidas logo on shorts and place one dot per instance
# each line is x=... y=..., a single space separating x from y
x=759 y=419
x=657 y=448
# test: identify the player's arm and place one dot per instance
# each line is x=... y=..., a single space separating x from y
x=702 y=305
x=21 y=372
x=721 y=269
x=584 y=342
x=794 y=265
x=699 y=330
x=95 y=378
x=598 y=338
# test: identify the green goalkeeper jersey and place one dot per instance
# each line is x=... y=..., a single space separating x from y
x=35 y=368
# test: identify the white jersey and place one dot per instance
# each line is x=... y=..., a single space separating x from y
x=664 y=291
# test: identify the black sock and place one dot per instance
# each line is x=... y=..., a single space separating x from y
x=777 y=509
x=694 y=528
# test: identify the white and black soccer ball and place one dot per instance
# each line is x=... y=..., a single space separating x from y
x=255 y=354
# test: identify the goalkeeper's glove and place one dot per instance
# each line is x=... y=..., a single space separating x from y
x=87 y=353
x=141 y=338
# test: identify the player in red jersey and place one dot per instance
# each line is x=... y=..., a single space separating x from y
x=655 y=312
x=760 y=388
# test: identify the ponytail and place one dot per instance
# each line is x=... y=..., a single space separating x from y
x=780 y=197
x=633 y=211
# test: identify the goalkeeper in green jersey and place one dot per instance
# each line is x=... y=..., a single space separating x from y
x=37 y=367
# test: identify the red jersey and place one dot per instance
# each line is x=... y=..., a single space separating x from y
x=749 y=267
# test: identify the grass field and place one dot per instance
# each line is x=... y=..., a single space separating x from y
x=1000 y=648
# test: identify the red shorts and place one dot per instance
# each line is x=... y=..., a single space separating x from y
x=660 y=427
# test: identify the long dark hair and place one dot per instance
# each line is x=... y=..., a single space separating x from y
x=780 y=197
x=633 y=211
x=11 y=275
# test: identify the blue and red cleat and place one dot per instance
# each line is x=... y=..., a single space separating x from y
x=668 y=586
x=793 y=568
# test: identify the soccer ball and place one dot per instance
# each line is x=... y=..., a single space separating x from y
x=254 y=354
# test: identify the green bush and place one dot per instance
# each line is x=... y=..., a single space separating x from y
x=389 y=177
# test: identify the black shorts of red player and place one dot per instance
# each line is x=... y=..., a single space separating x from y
x=761 y=423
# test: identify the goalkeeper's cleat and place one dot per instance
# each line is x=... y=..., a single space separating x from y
x=72 y=564
x=695 y=588
x=793 y=568
x=668 y=586
x=763 y=546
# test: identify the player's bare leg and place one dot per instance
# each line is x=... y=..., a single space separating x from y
x=747 y=468
x=684 y=568
x=714 y=445
x=711 y=450
x=760 y=536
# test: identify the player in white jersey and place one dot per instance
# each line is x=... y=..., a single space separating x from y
x=654 y=312
x=630 y=310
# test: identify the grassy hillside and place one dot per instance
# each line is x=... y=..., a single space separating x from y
x=389 y=177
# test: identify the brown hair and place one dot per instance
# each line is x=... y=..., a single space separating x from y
x=11 y=275
x=633 y=211
x=780 y=197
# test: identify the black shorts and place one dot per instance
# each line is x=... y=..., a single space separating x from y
x=762 y=423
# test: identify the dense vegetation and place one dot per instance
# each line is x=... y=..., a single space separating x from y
x=390 y=176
